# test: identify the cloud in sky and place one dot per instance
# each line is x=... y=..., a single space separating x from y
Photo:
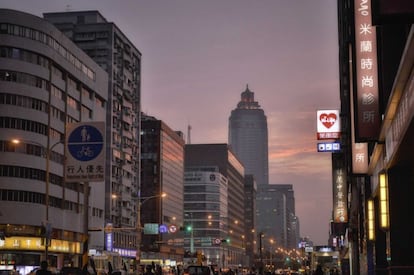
x=198 y=57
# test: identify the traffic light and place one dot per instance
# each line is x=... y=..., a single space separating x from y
x=43 y=231
x=188 y=228
x=225 y=240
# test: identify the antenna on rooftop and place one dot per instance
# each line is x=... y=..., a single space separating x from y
x=189 y=134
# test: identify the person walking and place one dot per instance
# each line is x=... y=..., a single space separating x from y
x=43 y=269
x=318 y=270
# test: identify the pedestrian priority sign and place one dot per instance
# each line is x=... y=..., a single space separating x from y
x=85 y=152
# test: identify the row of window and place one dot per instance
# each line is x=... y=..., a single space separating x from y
x=29 y=173
x=38 y=82
x=31 y=57
x=39 y=198
x=27 y=56
x=24 y=78
x=30 y=149
x=36 y=104
x=44 y=38
x=35 y=174
x=28 y=125
x=23 y=101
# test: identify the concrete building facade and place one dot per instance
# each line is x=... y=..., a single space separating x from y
x=46 y=82
x=206 y=211
x=220 y=155
x=162 y=171
x=111 y=49
x=378 y=233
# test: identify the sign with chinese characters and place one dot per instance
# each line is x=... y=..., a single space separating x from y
x=340 y=190
x=328 y=124
x=367 y=105
x=85 y=147
x=360 y=158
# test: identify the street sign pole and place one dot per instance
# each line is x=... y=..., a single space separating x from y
x=85 y=223
x=85 y=162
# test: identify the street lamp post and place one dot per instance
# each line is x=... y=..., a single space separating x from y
x=46 y=152
x=141 y=201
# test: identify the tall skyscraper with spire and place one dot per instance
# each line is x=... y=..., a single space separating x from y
x=275 y=204
x=248 y=137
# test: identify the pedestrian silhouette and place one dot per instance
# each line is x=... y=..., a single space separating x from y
x=43 y=269
x=318 y=270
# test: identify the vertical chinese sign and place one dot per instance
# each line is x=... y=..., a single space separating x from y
x=367 y=106
x=339 y=189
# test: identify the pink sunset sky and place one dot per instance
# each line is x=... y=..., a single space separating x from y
x=198 y=56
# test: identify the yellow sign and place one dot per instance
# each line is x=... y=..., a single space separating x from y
x=36 y=244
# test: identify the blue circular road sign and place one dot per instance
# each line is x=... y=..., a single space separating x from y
x=85 y=143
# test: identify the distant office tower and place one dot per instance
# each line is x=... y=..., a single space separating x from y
x=248 y=137
x=46 y=82
x=206 y=212
x=114 y=52
x=162 y=171
x=277 y=201
x=217 y=155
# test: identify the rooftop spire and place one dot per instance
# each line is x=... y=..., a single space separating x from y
x=247 y=100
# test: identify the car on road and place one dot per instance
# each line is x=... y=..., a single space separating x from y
x=8 y=272
x=198 y=270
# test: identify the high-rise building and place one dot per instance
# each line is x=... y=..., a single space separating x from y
x=278 y=201
x=206 y=212
x=248 y=137
x=221 y=156
x=46 y=82
x=162 y=171
x=115 y=53
x=272 y=219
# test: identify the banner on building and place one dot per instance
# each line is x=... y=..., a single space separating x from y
x=339 y=189
x=367 y=119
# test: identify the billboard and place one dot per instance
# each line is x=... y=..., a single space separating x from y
x=328 y=124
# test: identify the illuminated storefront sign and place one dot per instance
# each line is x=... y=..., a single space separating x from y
x=109 y=241
x=36 y=244
x=339 y=189
x=383 y=196
x=328 y=124
x=371 y=220
x=126 y=252
x=359 y=158
x=367 y=107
